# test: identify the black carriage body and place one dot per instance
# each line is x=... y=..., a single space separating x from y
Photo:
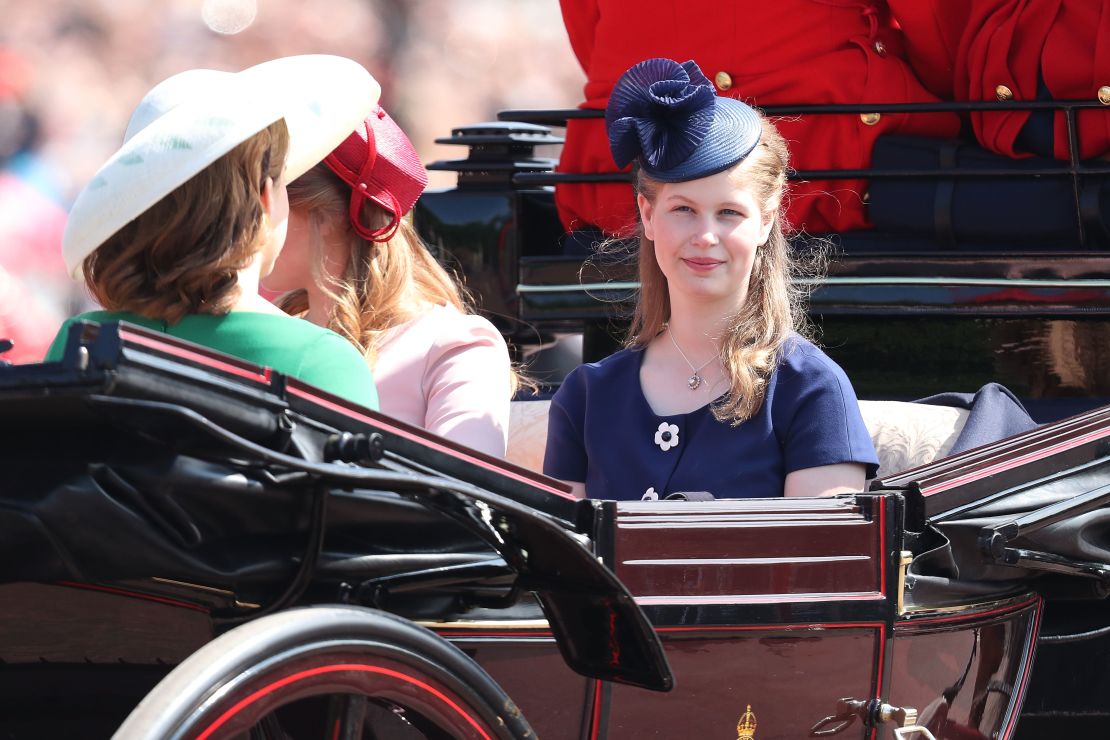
x=158 y=495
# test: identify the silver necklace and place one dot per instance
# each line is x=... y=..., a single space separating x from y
x=695 y=380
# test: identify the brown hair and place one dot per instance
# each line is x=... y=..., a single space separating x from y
x=373 y=293
x=182 y=255
x=775 y=304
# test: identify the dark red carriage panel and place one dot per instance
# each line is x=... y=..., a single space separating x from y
x=555 y=699
x=966 y=671
x=771 y=612
x=754 y=550
x=784 y=681
x=76 y=659
x=81 y=623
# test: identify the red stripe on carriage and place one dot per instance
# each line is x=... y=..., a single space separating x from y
x=771 y=627
x=301 y=675
x=292 y=390
x=595 y=719
x=879 y=673
x=246 y=370
x=882 y=546
x=1016 y=462
x=526 y=632
x=756 y=598
x=133 y=595
x=969 y=615
x=529 y=633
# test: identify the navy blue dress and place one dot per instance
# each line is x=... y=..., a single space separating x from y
x=602 y=431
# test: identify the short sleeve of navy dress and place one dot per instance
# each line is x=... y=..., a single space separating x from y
x=602 y=431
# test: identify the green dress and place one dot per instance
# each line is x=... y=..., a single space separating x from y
x=288 y=345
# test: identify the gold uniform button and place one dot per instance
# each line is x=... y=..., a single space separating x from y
x=1003 y=93
x=723 y=80
x=1104 y=95
x=880 y=48
x=870 y=119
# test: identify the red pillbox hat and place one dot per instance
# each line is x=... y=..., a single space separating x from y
x=380 y=164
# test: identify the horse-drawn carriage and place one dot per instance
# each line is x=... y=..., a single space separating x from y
x=979 y=269
x=199 y=547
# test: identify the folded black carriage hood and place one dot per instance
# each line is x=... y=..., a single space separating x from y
x=1028 y=508
x=141 y=456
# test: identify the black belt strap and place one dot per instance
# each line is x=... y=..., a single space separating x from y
x=946 y=189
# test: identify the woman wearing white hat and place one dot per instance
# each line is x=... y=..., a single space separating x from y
x=176 y=230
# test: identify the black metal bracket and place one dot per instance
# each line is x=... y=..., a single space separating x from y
x=994 y=542
x=1037 y=560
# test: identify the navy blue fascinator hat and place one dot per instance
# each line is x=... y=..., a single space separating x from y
x=668 y=116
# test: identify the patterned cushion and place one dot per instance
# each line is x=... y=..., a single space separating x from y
x=910 y=434
x=527 y=433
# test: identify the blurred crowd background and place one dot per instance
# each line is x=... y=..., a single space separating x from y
x=71 y=71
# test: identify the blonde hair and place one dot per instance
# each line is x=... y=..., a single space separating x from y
x=775 y=304
x=183 y=254
x=381 y=280
x=371 y=295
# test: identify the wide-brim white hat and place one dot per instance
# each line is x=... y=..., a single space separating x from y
x=190 y=120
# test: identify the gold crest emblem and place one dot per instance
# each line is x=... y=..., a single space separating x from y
x=745 y=728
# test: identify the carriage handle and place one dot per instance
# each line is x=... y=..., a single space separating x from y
x=849 y=709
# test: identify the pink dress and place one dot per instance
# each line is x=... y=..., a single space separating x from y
x=449 y=373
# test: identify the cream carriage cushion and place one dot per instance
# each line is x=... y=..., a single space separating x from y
x=910 y=434
x=905 y=434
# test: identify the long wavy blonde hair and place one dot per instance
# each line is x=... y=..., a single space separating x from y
x=775 y=304
x=383 y=284
x=382 y=281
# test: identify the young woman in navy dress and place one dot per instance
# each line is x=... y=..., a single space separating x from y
x=717 y=390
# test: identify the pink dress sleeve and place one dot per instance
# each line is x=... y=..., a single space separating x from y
x=449 y=373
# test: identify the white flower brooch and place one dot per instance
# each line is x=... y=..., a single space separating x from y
x=666 y=436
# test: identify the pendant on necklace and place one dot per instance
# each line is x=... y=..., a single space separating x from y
x=694 y=381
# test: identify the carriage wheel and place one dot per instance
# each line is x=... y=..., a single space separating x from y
x=327 y=672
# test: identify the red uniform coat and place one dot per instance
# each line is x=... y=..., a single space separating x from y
x=765 y=53
x=1007 y=43
x=932 y=30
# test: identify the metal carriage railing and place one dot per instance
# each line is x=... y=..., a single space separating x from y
x=1073 y=168
x=907 y=313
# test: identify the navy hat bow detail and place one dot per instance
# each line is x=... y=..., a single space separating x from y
x=668 y=116
x=660 y=110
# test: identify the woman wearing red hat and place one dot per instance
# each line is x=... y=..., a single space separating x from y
x=354 y=264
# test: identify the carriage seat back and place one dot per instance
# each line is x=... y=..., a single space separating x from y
x=905 y=434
